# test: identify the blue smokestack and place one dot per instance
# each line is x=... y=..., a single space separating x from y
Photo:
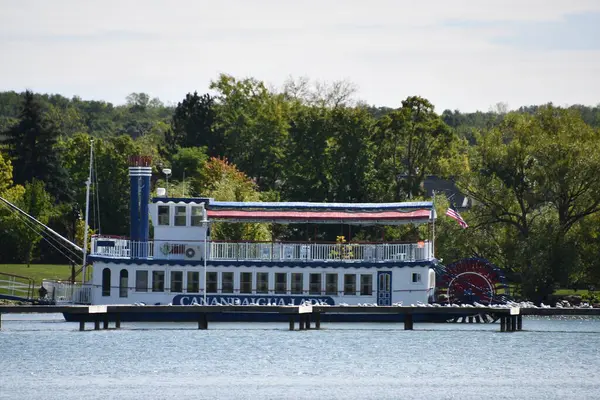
x=144 y=200
x=134 y=207
x=140 y=172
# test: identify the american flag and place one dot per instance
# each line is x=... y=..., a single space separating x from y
x=452 y=213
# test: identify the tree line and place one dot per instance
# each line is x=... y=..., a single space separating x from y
x=532 y=174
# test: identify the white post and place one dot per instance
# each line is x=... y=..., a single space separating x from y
x=205 y=223
x=87 y=212
x=433 y=215
x=205 y=253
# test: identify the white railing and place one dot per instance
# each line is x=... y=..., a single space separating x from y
x=68 y=293
x=320 y=251
x=16 y=286
x=275 y=251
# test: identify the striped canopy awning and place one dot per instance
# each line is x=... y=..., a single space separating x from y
x=345 y=213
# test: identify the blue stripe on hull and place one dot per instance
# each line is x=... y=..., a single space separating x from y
x=261 y=317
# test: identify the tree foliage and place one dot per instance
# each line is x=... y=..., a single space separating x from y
x=530 y=174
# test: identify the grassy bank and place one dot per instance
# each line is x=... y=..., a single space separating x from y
x=38 y=272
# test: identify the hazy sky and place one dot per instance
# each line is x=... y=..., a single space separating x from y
x=460 y=54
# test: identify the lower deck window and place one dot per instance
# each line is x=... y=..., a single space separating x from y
x=280 y=283
x=211 y=282
x=176 y=281
x=193 y=282
x=297 y=283
x=314 y=284
x=227 y=284
x=331 y=284
x=141 y=281
x=246 y=282
x=262 y=282
x=158 y=281
x=416 y=277
x=106 y=282
x=350 y=285
x=366 y=285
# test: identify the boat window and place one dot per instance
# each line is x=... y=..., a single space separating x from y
x=246 y=282
x=180 y=214
x=314 y=284
x=123 y=278
x=350 y=284
x=197 y=216
x=163 y=215
x=366 y=285
x=280 y=283
x=297 y=283
x=211 y=282
x=141 y=281
x=262 y=282
x=416 y=277
x=176 y=281
x=331 y=284
x=227 y=284
x=158 y=281
x=106 y=282
x=193 y=282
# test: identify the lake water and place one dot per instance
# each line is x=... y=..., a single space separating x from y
x=43 y=357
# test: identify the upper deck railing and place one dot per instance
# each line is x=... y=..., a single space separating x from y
x=261 y=251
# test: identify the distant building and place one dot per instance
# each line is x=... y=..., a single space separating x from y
x=448 y=188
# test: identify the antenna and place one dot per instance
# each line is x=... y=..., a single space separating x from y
x=167 y=172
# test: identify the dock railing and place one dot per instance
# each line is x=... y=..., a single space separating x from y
x=255 y=251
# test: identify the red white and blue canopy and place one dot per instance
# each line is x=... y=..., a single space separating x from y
x=305 y=212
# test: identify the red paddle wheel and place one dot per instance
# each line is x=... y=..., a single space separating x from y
x=473 y=280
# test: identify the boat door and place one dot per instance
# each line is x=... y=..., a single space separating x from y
x=384 y=288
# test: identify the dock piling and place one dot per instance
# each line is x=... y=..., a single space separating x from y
x=117 y=321
x=318 y=320
x=519 y=322
x=307 y=316
x=105 y=322
x=291 y=322
x=81 y=326
x=408 y=322
x=503 y=324
x=202 y=322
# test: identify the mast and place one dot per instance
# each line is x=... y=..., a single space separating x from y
x=87 y=212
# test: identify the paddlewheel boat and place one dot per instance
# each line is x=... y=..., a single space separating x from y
x=182 y=265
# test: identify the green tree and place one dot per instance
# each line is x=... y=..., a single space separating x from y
x=37 y=203
x=411 y=142
x=194 y=124
x=254 y=123
x=32 y=147
x=225 y=183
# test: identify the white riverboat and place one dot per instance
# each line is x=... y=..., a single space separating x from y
x=182 y=265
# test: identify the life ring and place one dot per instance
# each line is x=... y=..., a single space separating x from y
x=165 y=249
x=190 y=253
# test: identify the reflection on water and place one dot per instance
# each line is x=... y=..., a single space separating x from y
x=43 y=356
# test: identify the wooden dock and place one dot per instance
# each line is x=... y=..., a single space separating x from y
x=510 y=318
x=305 y=316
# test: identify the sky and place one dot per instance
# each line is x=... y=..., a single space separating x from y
x=460 y=54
